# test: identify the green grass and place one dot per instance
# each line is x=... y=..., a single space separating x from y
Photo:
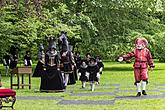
x=114 y=73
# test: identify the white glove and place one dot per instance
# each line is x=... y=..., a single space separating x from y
x=87 y=75
x=79 y=74
x=31 y=62
x=98 y=75
x=25 y=62
x=101 y=69
x=4 y=61
x=120 y=59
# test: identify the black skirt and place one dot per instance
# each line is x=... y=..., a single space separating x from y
x=83 y=76
x=38 y=70
x=93 y=70
x=52 y=79
x=67 y=68
x=13 y=64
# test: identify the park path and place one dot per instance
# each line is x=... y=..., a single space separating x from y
x=159 y=88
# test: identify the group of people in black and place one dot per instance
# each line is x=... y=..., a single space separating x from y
x=10 y=60
x=60 y=66
x=90 y=70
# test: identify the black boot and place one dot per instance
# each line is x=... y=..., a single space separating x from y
x=144 y=92
x=138 y=94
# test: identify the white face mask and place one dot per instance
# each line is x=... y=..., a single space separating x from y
x=141 y=46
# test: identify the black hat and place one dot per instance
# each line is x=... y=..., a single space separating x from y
x=27 y=51
x=65 y=46
x=62 y=39
x=83 y=60
x=41 y=47
x=52 y=43
x=88 y=54
x=92 y=59
x=13 y=50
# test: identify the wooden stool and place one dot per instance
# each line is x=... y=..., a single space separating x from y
x=21 y=71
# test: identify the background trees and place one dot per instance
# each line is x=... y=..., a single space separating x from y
x=104 y=27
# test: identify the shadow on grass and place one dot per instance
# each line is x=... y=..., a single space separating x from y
x=124 y=69
x=118 y=69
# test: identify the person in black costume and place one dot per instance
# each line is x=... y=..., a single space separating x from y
x=93 y=71
x=6 y=62
x=41 y=62
x=67 y=61
x=27 y=59
x=77 y=58
x=13 y=57
x=100 y=65
x=52 y=78
x=87 y=58
x=83 y=73
x=73 y=76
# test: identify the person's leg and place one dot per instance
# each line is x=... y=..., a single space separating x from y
x=92 y=86
x=144 y=80
x=144 y=84
x=98 y=78
x=137 y=81
x=7 y=68
x=83 y=84
x=66 y=80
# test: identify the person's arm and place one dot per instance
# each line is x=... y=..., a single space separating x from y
x=72 y=60
x=127 y=56
x=150 y=61
x=25 y=62
x=4 y=61
x=79 y=72
x=31 y=62
x=58 y=61
x=101 y=67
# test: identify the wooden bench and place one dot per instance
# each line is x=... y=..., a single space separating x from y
x=6 y=96
x=21 y=71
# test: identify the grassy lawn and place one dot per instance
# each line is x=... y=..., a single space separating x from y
x=114 y=74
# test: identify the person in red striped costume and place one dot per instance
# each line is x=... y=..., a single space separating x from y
x=143 y=58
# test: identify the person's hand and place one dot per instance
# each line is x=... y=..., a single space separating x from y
x=72 y=67
x=58 y=69
x=120 y=59
x=151 y=69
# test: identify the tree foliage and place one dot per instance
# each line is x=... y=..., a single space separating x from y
x=105 y=27
x=119 y=22
x=25 y=27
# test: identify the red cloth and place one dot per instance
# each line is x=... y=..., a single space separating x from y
x=141 y=74
x=7 y=93
x=143 y=58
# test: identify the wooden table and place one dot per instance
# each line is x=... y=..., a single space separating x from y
x=21 y=71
